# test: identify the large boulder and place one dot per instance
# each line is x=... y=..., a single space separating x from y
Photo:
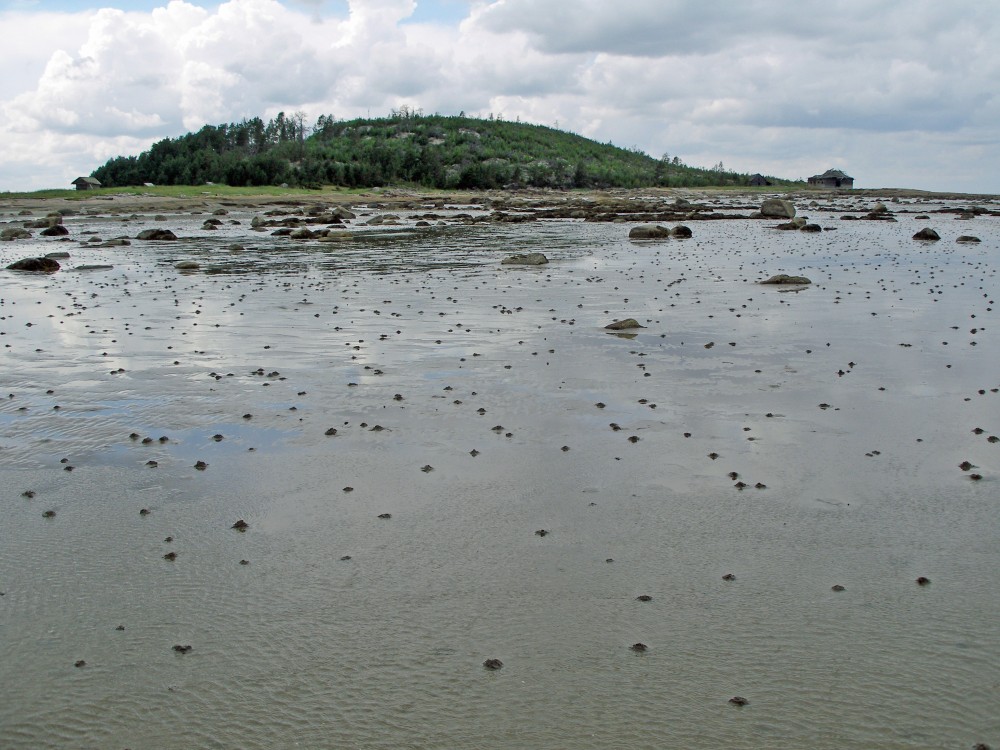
x=784 y=278
x=968 y=239
x=927 y=234
x=56 y=230
x=35 y=265
x=8 y=234
x=775 y=208
x=681 y=231
x=156 y=234
x=648 y=232
x=525 y=259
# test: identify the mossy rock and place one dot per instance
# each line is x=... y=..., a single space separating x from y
x=649 y=232
x=623 y=325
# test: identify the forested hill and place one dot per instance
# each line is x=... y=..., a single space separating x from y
x=406 y=148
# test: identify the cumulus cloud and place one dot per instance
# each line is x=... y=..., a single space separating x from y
x=757 y=84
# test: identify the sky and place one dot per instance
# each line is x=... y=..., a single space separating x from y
x=897 y=93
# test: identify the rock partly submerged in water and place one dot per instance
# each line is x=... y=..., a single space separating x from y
x=681 y=232
x=623 y=325
x=968 y=239
x=9 y=234
x=156 y=234
x=525 y=259
x=927 y=234
x=187 y=265
x=775 y=208
x=649 y=232
x=35 y=265
x=784 y=278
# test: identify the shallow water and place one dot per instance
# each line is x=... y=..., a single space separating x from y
x=301 y=648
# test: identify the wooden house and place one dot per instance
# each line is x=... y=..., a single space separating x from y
x=832 y=178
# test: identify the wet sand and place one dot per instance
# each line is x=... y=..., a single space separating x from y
x=312 y=388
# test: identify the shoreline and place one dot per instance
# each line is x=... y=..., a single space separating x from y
x=164 y=199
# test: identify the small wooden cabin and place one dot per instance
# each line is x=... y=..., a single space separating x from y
x=833 y=178
x=86 y=183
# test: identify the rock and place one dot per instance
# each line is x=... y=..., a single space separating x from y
x=968 y=239
x=58 y=255
x=622 y=325
x=879 y=208
x=927 y=234
x=784 y=278
x=493 y=664
x=9 y=234
x=738 y=700
x=301 y=234
x=648 y=232
x=35 y=265
x=241 y=525
x=92 y=267
x=680 y=231
x=56 y=230
x=156 y=234
x=187 y=265
x=775 y=208
x=812 y=228
x=526 y=259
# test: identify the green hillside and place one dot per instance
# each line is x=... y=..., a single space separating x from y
x=406 y=148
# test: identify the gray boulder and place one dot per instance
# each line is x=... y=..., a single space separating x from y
x=968 y=239
x=775 y=208
x=56 y=230
x=680 y=231
x=927 y=234
x=525 y=259
x=648 y=232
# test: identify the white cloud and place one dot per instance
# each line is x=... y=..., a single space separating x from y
x=897 y=92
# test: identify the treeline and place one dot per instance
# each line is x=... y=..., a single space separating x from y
x=407 y=147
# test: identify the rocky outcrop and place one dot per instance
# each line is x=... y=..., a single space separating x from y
x=927 y=234
x=35 y=265
x=775 y=208
x=648 y=232
x=525 y=259
x=784 y=278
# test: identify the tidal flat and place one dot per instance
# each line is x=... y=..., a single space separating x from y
x=751 y=485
